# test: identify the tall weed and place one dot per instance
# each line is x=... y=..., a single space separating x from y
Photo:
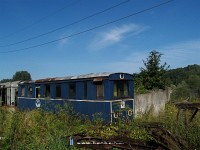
x=180 y=126
x=38 y=129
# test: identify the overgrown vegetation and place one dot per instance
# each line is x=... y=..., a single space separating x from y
x=187 y=131
x=185 y=83
x=38 y=129
x=42 y=130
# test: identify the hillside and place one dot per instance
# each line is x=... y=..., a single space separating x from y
x=178 y=75
x=185 y=83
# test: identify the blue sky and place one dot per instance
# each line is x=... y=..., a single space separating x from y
x=172 y=29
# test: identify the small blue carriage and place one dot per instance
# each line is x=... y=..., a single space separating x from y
x=111 y=94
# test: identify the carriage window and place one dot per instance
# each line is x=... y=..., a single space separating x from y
x=47 y=91
x=100 y=91
x=23 y=91
x=121 y=89
x=85 y=90
x=29 y=91
x=58 y=90
x=72 y=90
x=37 y=92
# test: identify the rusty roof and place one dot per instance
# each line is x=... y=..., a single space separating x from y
x=84 y=76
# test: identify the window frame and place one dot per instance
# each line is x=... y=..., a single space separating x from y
x=47 y=91
x=99 y=90
x=37 y=91
x=72 y=94
x=23 y=89
x=30 y=91
x=60 y=90
x=119 y=90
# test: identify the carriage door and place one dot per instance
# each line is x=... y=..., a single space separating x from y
x=13 y=96
x=37 y=92
x=8 y=96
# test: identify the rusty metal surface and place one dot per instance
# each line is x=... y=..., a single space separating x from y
x=125 y=143
x=90 y=75
x=188 y=105
x=165 y=137
x=98 y=76
x=193 y=107
x=164 y=140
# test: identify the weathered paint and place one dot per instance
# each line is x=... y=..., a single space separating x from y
x=8 y=93
x=84 y=105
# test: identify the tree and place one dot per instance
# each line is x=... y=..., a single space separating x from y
x=139 y=87
x=182 y=74
x=5 y=80
x=181 y=92
x=22 y=75
x=153 y=73
x=194 y=85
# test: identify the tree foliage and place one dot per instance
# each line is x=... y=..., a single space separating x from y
x=5 y=80
x=186 y=81
x=180 y=92
x=22 y=75
x=180 y=74
x=153 y=72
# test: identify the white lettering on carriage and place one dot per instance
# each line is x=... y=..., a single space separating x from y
x=121 y=76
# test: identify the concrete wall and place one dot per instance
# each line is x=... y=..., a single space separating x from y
x=155 y=99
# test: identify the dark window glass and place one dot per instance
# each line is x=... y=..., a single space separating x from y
x=58 y=91
x=37 y=92
x=121 y=88
x=47 y=91
x=72 y=90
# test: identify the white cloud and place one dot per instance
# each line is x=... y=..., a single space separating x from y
x=116 y=35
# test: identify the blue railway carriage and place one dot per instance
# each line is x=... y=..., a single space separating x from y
x=110 y=94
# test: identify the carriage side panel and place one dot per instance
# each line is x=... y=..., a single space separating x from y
x=91 y=90
x=107 y=89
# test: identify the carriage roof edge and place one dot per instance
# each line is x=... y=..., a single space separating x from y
x=83 y=76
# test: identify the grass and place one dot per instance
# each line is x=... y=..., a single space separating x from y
x=188 y=131
x=38 y=129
